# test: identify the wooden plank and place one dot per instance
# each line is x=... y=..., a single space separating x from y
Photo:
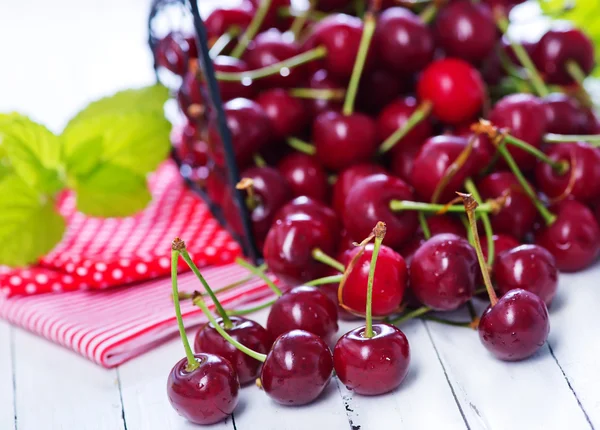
x=7 y=400
x=57 y=389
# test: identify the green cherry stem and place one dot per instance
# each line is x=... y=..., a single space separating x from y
x=575 y=72
x=415 y=313
x=240 y=312
x=485 y=219
x=424 y=225
x=176 y=247
x=242 y=281
x=252 y=29
x=428 y=14
x=301 y=146
x=379 y=232
x=300 y=20
x=405 y=205
x=222 y=42
x=592 y=139
x=259 y=160
x=417 y=116
x=334 y=279
x=199 y=301
x=261 y=274
x=465 y=223
x=318 y=93
x=560 y=167
x=321 y=257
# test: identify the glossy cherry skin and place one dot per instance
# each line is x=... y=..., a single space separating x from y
x=297 y=369
x=355 y=133
x=388 y=285
x=206 y=395
x=403 y=160
x=304 y=308
x=573 y=239
x=321 y=80
x=516 y=327
x=556 y=48
x=173 y=53
x=443 y=272
x=438 y=224
x=248 y=333
x=220 y=20
x=395 y=115
x=231 y=90
x=455 y=89
x=375 y=365
x=288 y=114
x=288 y=248
x=305 y=175
x=466 y=30
x=525 y=116
x=502 y=243
x=369 y=202
x=581 y=181
x=346 y=180
x=564 y=115
x=528 y=267
x=518 y=214
x=308 y=208
x=403 y=42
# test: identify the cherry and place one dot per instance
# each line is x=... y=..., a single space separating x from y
x=309 y=208
x=355 y=133
x=305 y=175
x=173 y=53
x=516 y=326
x=346 y=180
x=378 y=88
x=403 y=160
x=443 y=272
x=320 y=80
x=229 y=89
x=221 y=20
x=288 y=114
x=191 y=149
x=581 y=181
x=564 y=115
x=527 y=267
x=304 y=308
x=245 y=331
x=297 y=369
x=573 y=239
x=403 y=42
x=395 y=115
x=503 y=5
x=502 y=243
x=369 y=201
x=491 y=69
x=438 y=224
x=518 y=213
x=331 y=5
x=466 y=30
x=506 y=48
x=557 y=48
x=455 y=89
x=191 y=91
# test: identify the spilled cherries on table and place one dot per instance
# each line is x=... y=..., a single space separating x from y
x=395 y=163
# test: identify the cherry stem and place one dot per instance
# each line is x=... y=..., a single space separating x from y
x=465 y=222
x=256 y=271
x=523 y=57
x=405 y=205
x=301 y=146
x=187 y=296
x=593 y=139
x=321 y=257
x=379 y=232
x=273 y=69
x=199 y=301
x=318 y=93
x=222 y=42
x=470 y=206
x=424 y=225
x=300 y=20
x=186 y=257
x=575 y=72
x=411 y=315
x=290 y=12
x=192 y=363
x=429 y=13
x=240 y=312
x=422 y=112
x=259 y=160
x=334 y=279
x=485 y=219
x=252 y=29
x=561 y=167
x=247 y=184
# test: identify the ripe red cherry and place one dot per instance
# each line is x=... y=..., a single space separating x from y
x=559 y=46
x=454 y=88
x=528 y=267
x=438 y=224
x=403 y=160
x=516 y=327
x=466 y=30
x=190 y=148
x=518 y=214
x=173 y=53
x=230 y=90
x=305 y=175
x=221 y=20
x=308 y=208
x=190 y=92
x=206 y=395
x=320 y=80
x=346 y=180
x=395 y=116
x=564 y=115
x=581 y=181
x=355 y=133
x=372 y=366
x=303 y=308
x=573 y=239
x=502 y=243
x=379 y=87
x=403 y=42
x=369 y=202
x=245 y=331
x=388 y=285
x=297 y=369
x=443 y=272
x=288 y=114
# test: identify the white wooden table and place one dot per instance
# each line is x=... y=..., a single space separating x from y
x=59 y=54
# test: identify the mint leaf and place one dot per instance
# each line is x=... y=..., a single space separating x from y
x=29 y=224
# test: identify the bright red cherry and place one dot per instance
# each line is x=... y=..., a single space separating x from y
x=395 y=115
x=516 y=326
x=305 y=175
x=321 y=80
x=221 y=20
x=288 y=114
x=308 y=208
x=438 y=224
x=564 y=115
x=455 y=89
x=346 y=180
x=173 y=53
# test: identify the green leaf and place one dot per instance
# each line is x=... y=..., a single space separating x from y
x=29 y=224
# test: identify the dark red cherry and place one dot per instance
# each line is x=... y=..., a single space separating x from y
x=331 y=5
x=308 y=208
x=403 y=42
x=355 y=133
x=518 y=214
x=466 y=30
x=173 y=53
x=248 y=333
x=581 y=181
x=346 y=180
x=304 y=308
x=288 y=114
x=221 y=20
x=216 y=185
x=190 y=92
x=395 y=115
x=403 y=160
x=516 y=327
x=443 y=272
x=573 y=239
x=369 y=202
x=305 y=175
x=320 y=80
x=379 y=87
x=527 y=44
x=528 y=267
x=190 y=147
x=524 y=116
x=438 y=224
x=231 y=90
x=206 y=395
x=272 y=19
x=297 y=369
x=564 y=115
x=502 y=243
x=455 y=89
x=389 y=282
x=559 y=46
x=375 y=365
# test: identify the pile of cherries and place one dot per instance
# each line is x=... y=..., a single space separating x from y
x=343 y=119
